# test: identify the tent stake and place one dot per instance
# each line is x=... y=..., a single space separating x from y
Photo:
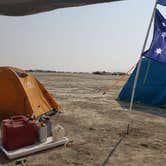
x=139 y=64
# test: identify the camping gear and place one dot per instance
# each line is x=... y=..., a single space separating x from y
x=42 y=130
x=34 y=148
x=151 y=84
x=17 y=132
x=117 y=81
x=23 y=94
x=49 y=127
x=27 y=7
x=147 y=82
x=46 y=119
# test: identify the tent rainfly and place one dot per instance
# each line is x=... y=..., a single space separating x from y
x=28 y=7
x=22 y=94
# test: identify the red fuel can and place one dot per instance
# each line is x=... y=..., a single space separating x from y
x=17 y=132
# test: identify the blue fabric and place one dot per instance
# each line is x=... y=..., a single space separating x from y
x=153 y=90
x=157 y=50
x=162 y=2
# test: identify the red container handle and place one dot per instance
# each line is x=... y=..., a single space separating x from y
x=19 y=118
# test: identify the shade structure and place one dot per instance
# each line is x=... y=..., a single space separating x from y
x=28 y=7
x=151 y=85
x=23 y=94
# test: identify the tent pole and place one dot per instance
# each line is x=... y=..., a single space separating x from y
x=140 y=59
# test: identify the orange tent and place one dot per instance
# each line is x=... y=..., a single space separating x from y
x=22 y=94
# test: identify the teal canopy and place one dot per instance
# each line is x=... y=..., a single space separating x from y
x=151 y=85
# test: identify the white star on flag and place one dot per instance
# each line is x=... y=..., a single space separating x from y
x=163 y=34
x=164 y=24
x=158 y=51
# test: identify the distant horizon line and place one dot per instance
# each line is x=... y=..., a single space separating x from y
x=97 y=72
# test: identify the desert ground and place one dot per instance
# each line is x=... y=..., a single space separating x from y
x=94 y=123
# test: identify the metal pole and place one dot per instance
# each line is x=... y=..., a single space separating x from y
x=140 y=59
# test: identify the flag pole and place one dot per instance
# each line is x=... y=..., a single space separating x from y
x=140 y=59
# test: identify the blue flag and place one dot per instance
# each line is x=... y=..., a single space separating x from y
x=157 y=50
x=162 y=2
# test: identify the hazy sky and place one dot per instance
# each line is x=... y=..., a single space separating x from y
x=97 y=37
